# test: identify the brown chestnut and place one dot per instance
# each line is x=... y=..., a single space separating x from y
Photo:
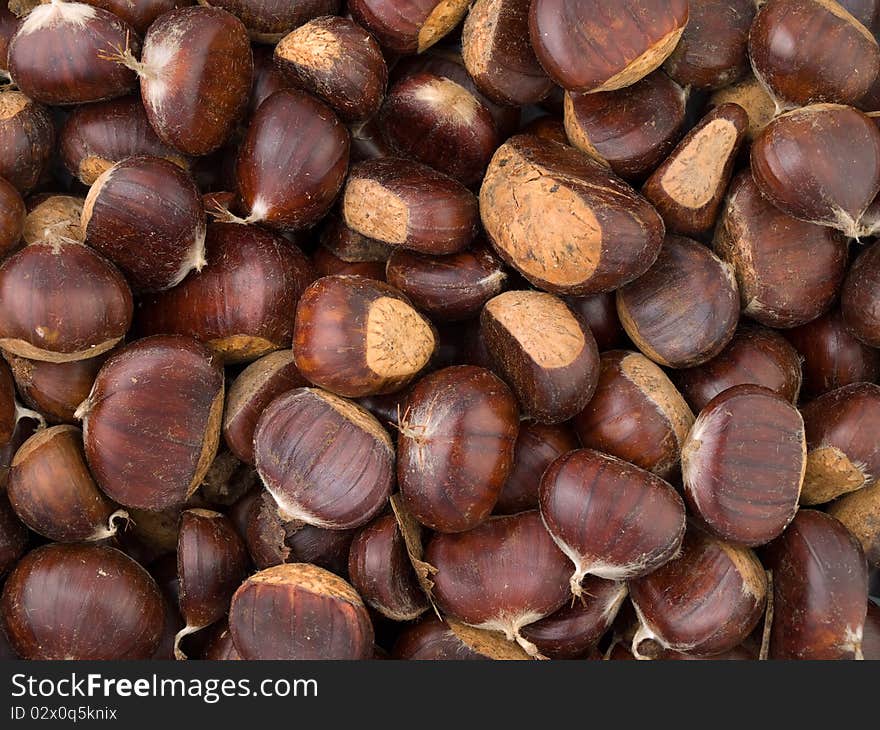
x=151 y=424
x=547 y=127
x=267 y=21
x=139 y=14
x=356 y=336
x=61 y=302
x=12 y=217
x=859 y=512
x=27 y=140
x=684 y=311
x=299 y=611
x=410 y=28
x=860 y=297
x=53 y=219
x=81 y=602
x=563 y=221
x=612 y=519
x=9 y=415
x=599 y=313
x=328 y=263
x=14 y=536
x=820 y=590
x=636 y=414
x=433 y=639
x=349 y=245
x=544 y=351
x=871 y=635
x=220 y=646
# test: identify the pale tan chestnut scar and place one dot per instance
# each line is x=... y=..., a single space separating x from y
x=210 y=442
x=92 y=197
x=543 y=326
x=55 y=220
x=311 y=46
x=754 y=579
x=374 y=211
x=309 y=578
x=752 y=97
x=829 y=474
x=399 y=341
x=11 y=103
x=641 y=66
x=443 y=18
x=479 y=36
x=354 y=414
x=449 y=99
x=545 y=227
x=693 y=176
x=487 y=643
x=651 y=380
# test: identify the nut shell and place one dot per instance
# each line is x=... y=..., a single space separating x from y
x=860 y=297
x=27 y=140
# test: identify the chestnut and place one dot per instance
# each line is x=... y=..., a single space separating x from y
x=831 y=356
x=755 y=355
x=268 y=78
x=547 y=127
x=455 y=447
x=713 y=50
x=27 y=140
x=500 y=576
x=544 y=351
x=630 y=130
x=71 y=39
x=410 y=28
x=843 y=453
x=61 y=302
x=687 y=189
x=51 y=490
x=9 y=409
x=835 y=59
x=871 y=634
x=290 y=181
x=603 y=45
x=97 y=136
x=752 y=96
x=81 y=602
x=860 y=297
x=704 y=602
x=211 y=564
x=12 y=217
x=241 y=304
x=145 y=215
x=8 y=26
x=328 y=263
x=53 y=219
x=14 y=537
x=447 y=288
x=433 y=639
x=151 y=424
x=325 y=460
x=820 y=587
x=139 y=14
x=497 y=53
x=563 y=221
x=356 y=336
x=338 y=61
x=789 y=271
x=381 y=572
x=599 y=313
x=404 y=203
x=349 y=245
x=820 y=164
x=612 y=519
x=685 y=310
x=743 y=464
x=226 y=481
x=537 y=445
x=299 y=611
x=859 y=512
x=267 y=21
x=220 y=646
x=24 y=428
x=439 y=123
x=636 y=414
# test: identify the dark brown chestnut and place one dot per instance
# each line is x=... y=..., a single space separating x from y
x=151 y=424
x=544 y=351
x=636 y=414
x=860 y=297
x=70 y=38
x=843 y=452
x=27 y=140
x=688 y=188
x=81 y=602
x=61 y=302
x=268 y=79
x=820 y=590
x=325 y=460
x=871 y=634
x=752 y=96
x=501 y=576
x=356 y=337
x=563 y=221
x=630 y=130
x=407 y=204
x=220 y=646
x=704 y=602
x=53 y=219
x=267 y=21
x=612 y=519
x=447 y=288
x=351 y=246
x=411 y=28
x=835 y=58
x=547 y=127
x=9 y=414
x=433 y=639
x=12 y=217
x=603 y=45
x=329 y=263
x=756 y=356
x=859 y=512
x=599 y=313
x=455 y=447
x=789 y=271
x=8 y=26
x=743 y=465
x=685 y=310
x=139 y=14
x=299 y=611
x=338 y=61
x=241 y=304
x=14 y=536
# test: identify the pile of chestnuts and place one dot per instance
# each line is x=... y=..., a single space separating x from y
x=440 y=329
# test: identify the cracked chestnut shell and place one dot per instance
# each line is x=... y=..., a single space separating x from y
x=151 y=424
x=12 y=217
x=299 y=611
x=563 y=221
x=356 y=336
x=820 y=589
x=27 y=140
x=743 y=464
x=82 y=602
x=455 y=447
x=410 y=28
x=636 y=414
x=860 y=297
x=603 y=45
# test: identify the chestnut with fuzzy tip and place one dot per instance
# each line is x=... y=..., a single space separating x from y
x=410 y=28
x=27 y=140
x=860 y=297
x=12 y=217
x=636 y=414
x=299 y=611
